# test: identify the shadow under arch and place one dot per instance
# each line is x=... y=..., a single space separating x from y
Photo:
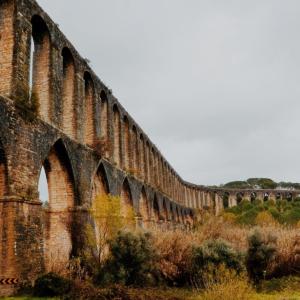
x=177 y=215
x=144 y=207
x=100 y=185
x=58 y=239
x=126 y=200
x=156 y=214
x=165 y=213
x=89 y=96
x=40 y=70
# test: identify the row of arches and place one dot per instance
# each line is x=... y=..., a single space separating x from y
x=231 y=199
x=136 y=153
x=69 y=88
x=147 y=210
x=61 y=187
x=63 y=198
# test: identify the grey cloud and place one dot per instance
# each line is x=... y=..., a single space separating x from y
x=213 y=83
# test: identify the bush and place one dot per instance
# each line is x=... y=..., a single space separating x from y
x=132 y=260
x=260 y=253
x=210 y=256
x=265 y=218
x=174 y=249
x=226 y=285
x=51 y=285
x=83 y=290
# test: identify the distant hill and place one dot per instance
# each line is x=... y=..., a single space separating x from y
x=261 y=183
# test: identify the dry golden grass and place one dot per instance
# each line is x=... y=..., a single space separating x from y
x=174 y=247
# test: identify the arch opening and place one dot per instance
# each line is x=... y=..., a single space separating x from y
x=178 y=218
x=226 y=200
x=142 y=156
x=253 y=196
x=104 y=123
x=89 y=95
x=101 y=206
x=61 y=198
x=40 y=69
x=127 y=210
x=117 y=137
x=134 y=150
x=126 y=144
x=266 y=196
x=156 y=214
x=144 y=207
x=43 y=188
x=165 y=210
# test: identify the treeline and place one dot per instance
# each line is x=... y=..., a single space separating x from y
x=260 y=183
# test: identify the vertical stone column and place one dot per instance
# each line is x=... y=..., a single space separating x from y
x=218 y=204
x=260 y=196
x=247 y=196
x=272 y=196
x=79 y=100
x=232 y=199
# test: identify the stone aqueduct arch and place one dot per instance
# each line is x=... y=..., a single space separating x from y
x=86 y=141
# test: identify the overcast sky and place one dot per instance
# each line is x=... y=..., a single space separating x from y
x=215 y=84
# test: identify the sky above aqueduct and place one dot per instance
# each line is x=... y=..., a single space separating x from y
x=215 y=84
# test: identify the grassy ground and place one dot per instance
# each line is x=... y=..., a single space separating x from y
x=177 y=294
x=285 y=288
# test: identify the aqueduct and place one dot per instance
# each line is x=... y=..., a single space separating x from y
x=57 y=114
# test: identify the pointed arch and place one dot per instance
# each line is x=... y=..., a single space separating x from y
x=68 y=91
x=89 y=95
x=117 y=136
x=177 y=215
x=104 y=122
x=127 y=210
x=165 y=213
x=134 y=145
x=100 y=186
x=126 y=143
x=60 y=178
x=148 y=162
x=41 y=71
x=156 y=214
x=61 y=190
x=141 y=156
x=144 y=206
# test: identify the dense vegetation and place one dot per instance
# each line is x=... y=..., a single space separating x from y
x=257 y=212
x=261 y=183
x=219 y=258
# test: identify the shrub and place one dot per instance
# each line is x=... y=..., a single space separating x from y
x=226 y=285
x=51 y=285
x=132 y=260
x=211 y=255
x=174 y=250
x=248 y=217
x=260 y=253
x=265 y=218
x=229 y=217
x=82 y=290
